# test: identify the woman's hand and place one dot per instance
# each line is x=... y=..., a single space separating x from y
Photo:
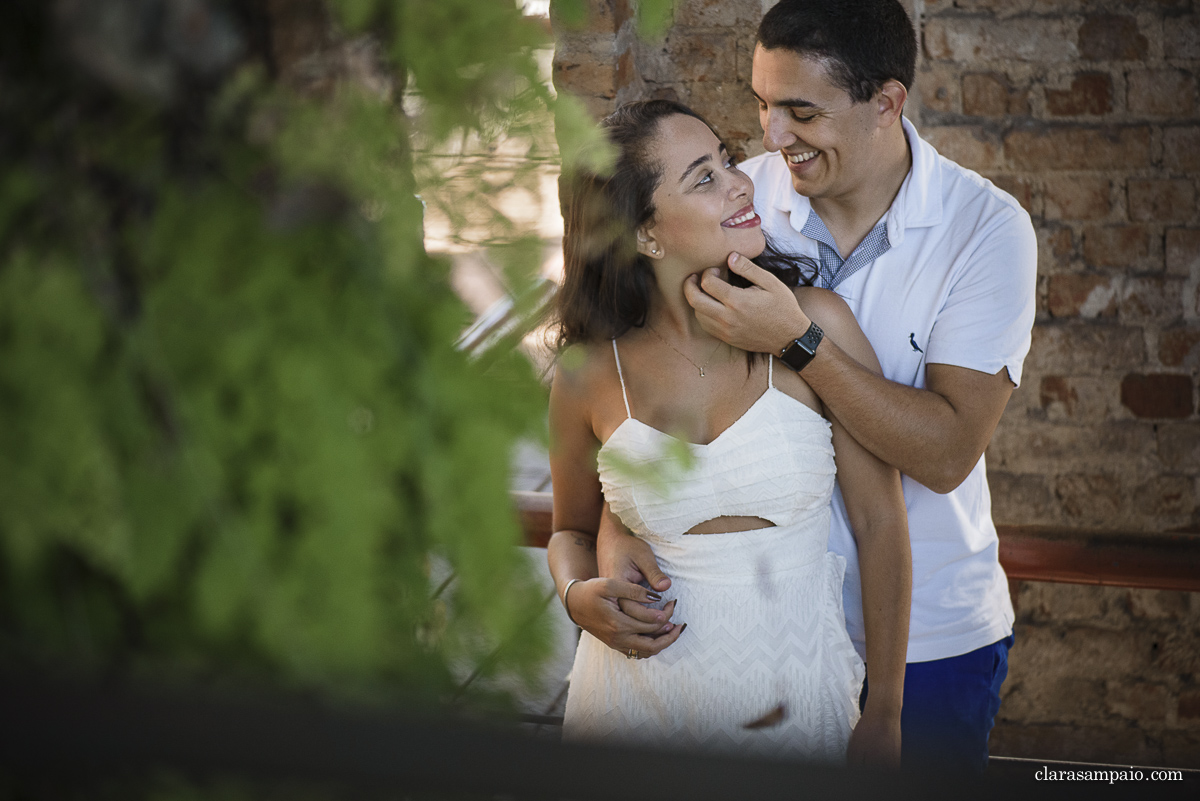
x=594 y=606
x=875 y=742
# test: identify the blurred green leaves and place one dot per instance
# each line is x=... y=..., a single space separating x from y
x=236 y=431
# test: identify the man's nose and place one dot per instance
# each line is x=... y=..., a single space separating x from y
x=776 y=133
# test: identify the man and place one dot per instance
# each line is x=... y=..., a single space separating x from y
x=938 y=266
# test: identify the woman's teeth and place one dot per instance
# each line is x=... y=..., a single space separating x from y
x=740 y=219
x=802 y=157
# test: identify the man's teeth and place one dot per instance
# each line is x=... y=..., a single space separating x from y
x=740 y=219
x=801 y=158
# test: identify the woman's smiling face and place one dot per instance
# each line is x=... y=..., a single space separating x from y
x=704 y=205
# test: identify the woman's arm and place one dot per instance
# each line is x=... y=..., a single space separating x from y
x=571 y=552
x=875 y=505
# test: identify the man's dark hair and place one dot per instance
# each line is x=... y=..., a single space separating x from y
x=865 y=42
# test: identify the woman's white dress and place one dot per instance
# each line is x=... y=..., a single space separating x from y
x=765 y=665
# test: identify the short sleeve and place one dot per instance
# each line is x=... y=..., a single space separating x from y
x=987 y=320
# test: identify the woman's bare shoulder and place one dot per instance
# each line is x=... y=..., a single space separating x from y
x=578 y=369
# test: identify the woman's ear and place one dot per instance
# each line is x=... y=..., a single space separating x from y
x=647 y=245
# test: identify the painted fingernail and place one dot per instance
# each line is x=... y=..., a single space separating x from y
x=654 y=596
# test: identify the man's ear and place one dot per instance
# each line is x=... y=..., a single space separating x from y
x=647 y=245
x=890 y=98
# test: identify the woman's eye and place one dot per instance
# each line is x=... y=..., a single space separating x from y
x=706 y=179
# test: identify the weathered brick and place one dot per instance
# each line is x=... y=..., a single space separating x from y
x=1076 y=198
x=717 y=13
x=1111 y=37
x=1183 y=251
x=1083 y=295
x=1158 y=395
x=1189 y=705
x=1115 y=245
x=1072 y=148
x=1166 y=501
x=970 y=146
x=1020 y=188
x=1019 y=499
x=1047 y=602
x=1090 y=499
x=1090 y=93
x=1178 y=652
x=1140 y=701
x=1158 y=604
x=1151 y=299
x=1158 y=200
x=938 y=86
x=989 y=94
x=1179 y=347
x=1074 y=742
x=1085 y=350
x=586 y=78
x=708 y=57
x=599 y=16
x=1049 y=447
x=1179 y=445
x=1181 y=148
x=1056 y=249
x=1091 y=653
x=967 y=39
x=1079 y=398
x=1161 y=92
x=1056 y=697
x=1181 y=38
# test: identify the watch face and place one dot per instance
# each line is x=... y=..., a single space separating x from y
x=798 y=354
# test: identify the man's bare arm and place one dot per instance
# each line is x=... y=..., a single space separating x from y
x=935 y=435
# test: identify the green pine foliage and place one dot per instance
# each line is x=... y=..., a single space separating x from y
x=235 y=433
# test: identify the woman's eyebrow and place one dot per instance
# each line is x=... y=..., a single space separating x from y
x=693 y=166
x=706 y=157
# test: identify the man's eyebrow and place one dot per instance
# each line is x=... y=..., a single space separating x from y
x=789 y=103
x=697 y=163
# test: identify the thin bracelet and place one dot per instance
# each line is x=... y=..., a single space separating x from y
x=566 y=608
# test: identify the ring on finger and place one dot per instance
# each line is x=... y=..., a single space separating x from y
x=633 y=654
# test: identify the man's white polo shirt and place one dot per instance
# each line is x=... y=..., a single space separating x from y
x=956 y=287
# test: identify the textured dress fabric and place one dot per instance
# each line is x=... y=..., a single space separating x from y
x=765 y=665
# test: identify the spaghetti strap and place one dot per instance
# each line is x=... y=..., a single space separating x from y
x=770 y=369
x=624 y=394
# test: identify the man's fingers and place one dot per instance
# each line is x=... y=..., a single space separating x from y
x=717 y=287
x=651 y=646
x=701 y=301
x=646 y=614
x=752 y=272
x=615 y=588
x=648 y=565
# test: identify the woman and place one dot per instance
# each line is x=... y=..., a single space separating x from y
x=765 y=663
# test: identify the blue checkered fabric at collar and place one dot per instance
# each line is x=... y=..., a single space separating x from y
x=834 y=269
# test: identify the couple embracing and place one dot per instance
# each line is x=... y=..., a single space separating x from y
x=831 y=331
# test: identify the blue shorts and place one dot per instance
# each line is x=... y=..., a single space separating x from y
x=949 y=708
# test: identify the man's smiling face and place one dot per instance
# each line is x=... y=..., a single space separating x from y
x=828 y=140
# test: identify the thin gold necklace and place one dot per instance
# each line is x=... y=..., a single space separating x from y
x=699 y=367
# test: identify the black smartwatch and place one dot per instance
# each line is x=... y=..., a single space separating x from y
x=799 y=352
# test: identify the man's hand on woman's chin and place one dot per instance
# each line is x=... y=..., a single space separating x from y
x=761 y=318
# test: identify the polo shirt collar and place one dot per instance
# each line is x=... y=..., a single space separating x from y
x=917 y=205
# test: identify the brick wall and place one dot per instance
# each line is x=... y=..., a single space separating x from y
x=1087 y=112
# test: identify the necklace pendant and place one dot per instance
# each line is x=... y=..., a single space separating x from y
x=702 y=372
